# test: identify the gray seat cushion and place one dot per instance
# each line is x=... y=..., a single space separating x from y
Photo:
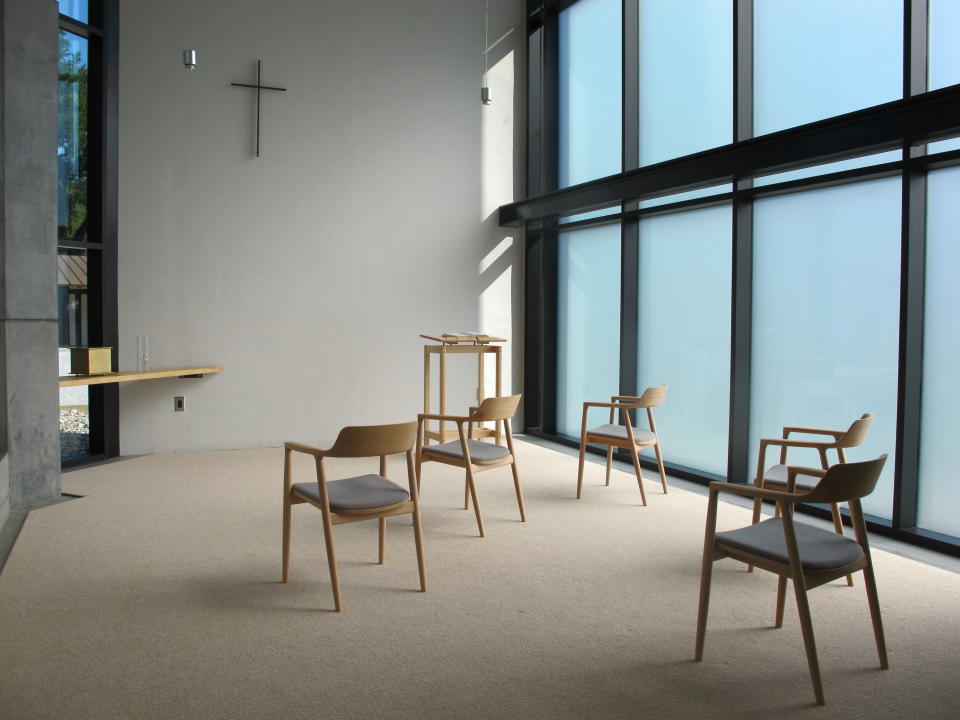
x=619 y=432
x=777 y=475
x=366 y=492
x=819 y=549
x=480 y=452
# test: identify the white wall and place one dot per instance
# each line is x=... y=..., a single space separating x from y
x=369 y=218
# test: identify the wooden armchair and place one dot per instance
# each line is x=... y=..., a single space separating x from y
x=473 y=455
x=625 y=435
x=775 y=477
x=807 y=555
x=365 y=497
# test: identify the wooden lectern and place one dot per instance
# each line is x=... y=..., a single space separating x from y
x=478 y=345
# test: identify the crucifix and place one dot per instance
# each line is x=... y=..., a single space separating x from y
x=258 y=87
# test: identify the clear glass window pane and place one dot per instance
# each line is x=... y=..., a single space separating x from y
x=590 y=94
x=939 y=491
x=819 y=58
x=588 y=322
x=686 y=77
x=77 y=9
x=684 y=331
x=73 y=326
x=826 y=307
x=72 y=132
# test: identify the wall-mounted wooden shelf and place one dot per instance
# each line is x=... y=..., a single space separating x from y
x=130 y=375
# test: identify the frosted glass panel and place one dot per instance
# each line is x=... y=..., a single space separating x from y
x=943 y=21
x=588 y=322
x=684 y=332
x=825 y=319
x=589 y=92
x=689 y=195
x=686 y=77
x=851 y=164
x=939 y=491
x=819 y=58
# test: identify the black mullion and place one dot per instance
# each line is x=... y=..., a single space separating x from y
x=109 y=213
x=79 y=28
x=912 y=268
x=533 y=390
x=741 y=303
x=630 y=229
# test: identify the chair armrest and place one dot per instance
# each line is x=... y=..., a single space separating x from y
x=624 y=398
x=621 y=406
x=751 y=491
x=787 y=442
x=835 y=434
x=437 y=416
x=308 y=449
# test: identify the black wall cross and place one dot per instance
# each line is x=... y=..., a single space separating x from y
x=258 y=87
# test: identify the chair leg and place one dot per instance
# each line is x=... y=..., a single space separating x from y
x=466 y=495
x=418 y=538
x=636 y=466
x=383 y=538
x=332 y=560
x=874 y=602
x=516 y=486
x=663 y=474
x=781 y=600
x=838 y=526
x=806 y=626
x=473 y=496
x=706 y=574
x=285 y=565
x=609 y=462
x=583 y=450
x=757 y=505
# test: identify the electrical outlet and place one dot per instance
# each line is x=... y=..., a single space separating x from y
x=178 y=403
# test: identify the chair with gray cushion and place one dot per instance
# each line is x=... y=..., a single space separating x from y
x=473 y=455
x=625 y=435
x=775 y=477
x=364 y=497
x=808 y=556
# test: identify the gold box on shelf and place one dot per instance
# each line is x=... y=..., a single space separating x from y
x=91 y=360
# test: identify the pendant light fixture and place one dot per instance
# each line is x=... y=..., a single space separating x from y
x=485 y=90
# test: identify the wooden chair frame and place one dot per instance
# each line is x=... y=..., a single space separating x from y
x=360 y=441
x=651 y=398
x=842 y=482
x=490 y=409
x=851 y=437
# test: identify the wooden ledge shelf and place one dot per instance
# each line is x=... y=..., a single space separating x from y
x=130 y=375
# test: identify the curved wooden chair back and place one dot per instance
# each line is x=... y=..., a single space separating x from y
x=496 y=408
x=856 y=433
x=370 y=440
x=847 y=481
x=652 y=396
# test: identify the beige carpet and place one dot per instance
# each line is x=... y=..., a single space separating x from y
x=158 y=596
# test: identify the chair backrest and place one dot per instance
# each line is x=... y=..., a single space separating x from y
x=847 y=481
x=652 y=396
x=370 y=440
x=856 y=433
x=496 y=408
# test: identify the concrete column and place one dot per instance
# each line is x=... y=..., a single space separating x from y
x=29 y=418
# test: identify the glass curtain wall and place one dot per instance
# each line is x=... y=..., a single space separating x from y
x=759 y=306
